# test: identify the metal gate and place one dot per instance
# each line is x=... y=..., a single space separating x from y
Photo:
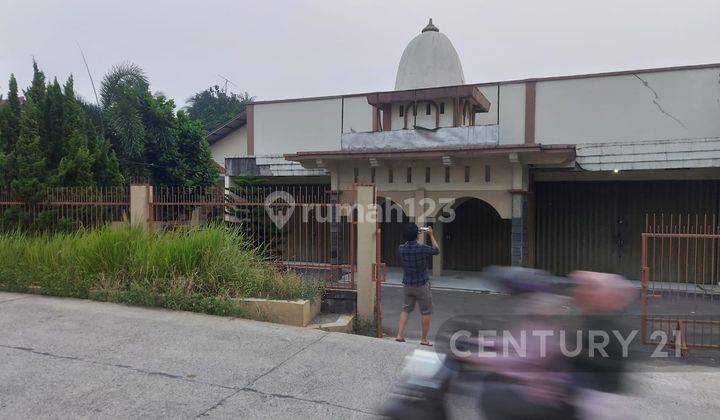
x=680 y=281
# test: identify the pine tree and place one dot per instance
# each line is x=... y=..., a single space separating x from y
x=105 y=167
x=9 y=130
x=10 y=118
x=54 y=134
x=75 y=168
x=28 y=159
x=37 y=88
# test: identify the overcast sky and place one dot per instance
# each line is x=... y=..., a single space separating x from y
x=284 y=49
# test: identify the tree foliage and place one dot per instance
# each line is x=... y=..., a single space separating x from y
x=152 y=140
x=214 y=106
x=54 y=139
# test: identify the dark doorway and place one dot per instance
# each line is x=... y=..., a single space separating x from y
x=476 y=238
x=392 y=221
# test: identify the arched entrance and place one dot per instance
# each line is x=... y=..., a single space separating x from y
x=392 y=220
x=476 y=238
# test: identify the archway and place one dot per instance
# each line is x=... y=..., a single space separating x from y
x=392 y=220
x=477 y=237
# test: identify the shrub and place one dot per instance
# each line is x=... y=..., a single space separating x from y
x=197 y=270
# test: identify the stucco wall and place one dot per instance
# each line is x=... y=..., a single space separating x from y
x=357 y=114
x=650 y=106
x=287 y=127
x=678 y=104
x=495 y=192
x=232 y=145
x=500 y=175
x=490 y=117
x=512 y=113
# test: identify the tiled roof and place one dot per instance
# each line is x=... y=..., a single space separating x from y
x=657 y=154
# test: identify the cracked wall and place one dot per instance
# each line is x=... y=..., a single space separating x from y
x=680 y=104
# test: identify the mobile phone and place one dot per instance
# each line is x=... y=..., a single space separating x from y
x=424 y=229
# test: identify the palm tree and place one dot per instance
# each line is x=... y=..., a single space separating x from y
x=123 y=92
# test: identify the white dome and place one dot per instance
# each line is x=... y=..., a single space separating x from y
x=429 y=60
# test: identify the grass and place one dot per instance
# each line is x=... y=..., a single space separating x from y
x=362 y=326
x=200 y=270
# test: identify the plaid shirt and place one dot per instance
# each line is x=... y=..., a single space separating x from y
x=414 y=260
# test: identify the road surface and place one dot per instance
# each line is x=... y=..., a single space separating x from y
x=64 y=358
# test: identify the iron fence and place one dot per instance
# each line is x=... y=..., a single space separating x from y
x=680 y=280
x=300 y=227
x=65 y=208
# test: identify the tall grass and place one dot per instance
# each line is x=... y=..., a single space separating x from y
x=200 y=270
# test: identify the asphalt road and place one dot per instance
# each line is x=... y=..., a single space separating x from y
x=449 y=304
x=67 y=358
x=73 y=358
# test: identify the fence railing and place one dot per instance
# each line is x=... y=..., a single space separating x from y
x=66 y=208
x=301 y=227
x=680 y=261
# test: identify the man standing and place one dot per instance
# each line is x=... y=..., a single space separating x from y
x=416 y=287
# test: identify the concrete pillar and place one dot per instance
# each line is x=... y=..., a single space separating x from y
x=519 y=237
x=437 y=262
x=141 y=205
x=419 y=207
x=366 y=254
x=195 y=217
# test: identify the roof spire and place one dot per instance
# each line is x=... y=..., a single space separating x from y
x=430 y=27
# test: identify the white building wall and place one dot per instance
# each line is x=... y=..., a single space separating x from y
x=678 y=104
x=232 y=145
x=490 y=117
x=512 y=113
x=288 y=127
x=357 y=114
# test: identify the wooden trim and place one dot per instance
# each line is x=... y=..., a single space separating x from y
x=387 y=117
x=456 y=112
x=530 y=113
x=375 y=120
x=250 y=109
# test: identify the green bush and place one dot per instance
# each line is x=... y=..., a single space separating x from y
x=198 y=270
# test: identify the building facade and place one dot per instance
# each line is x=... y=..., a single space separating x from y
x=560 y=173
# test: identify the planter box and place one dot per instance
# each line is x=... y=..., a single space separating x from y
x=289 y=312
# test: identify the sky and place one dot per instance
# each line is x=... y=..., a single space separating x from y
x=277 y=49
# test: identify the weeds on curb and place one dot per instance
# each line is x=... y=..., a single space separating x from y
x=199 y=270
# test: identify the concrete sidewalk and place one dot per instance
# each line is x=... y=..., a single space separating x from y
x=64 y=358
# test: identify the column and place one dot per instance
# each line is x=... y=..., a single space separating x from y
x=366 y=254
x=141 y=205
x=437 y=262
x=519 y=237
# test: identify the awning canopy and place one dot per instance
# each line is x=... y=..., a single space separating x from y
x=555 y=154
x=469 y=93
